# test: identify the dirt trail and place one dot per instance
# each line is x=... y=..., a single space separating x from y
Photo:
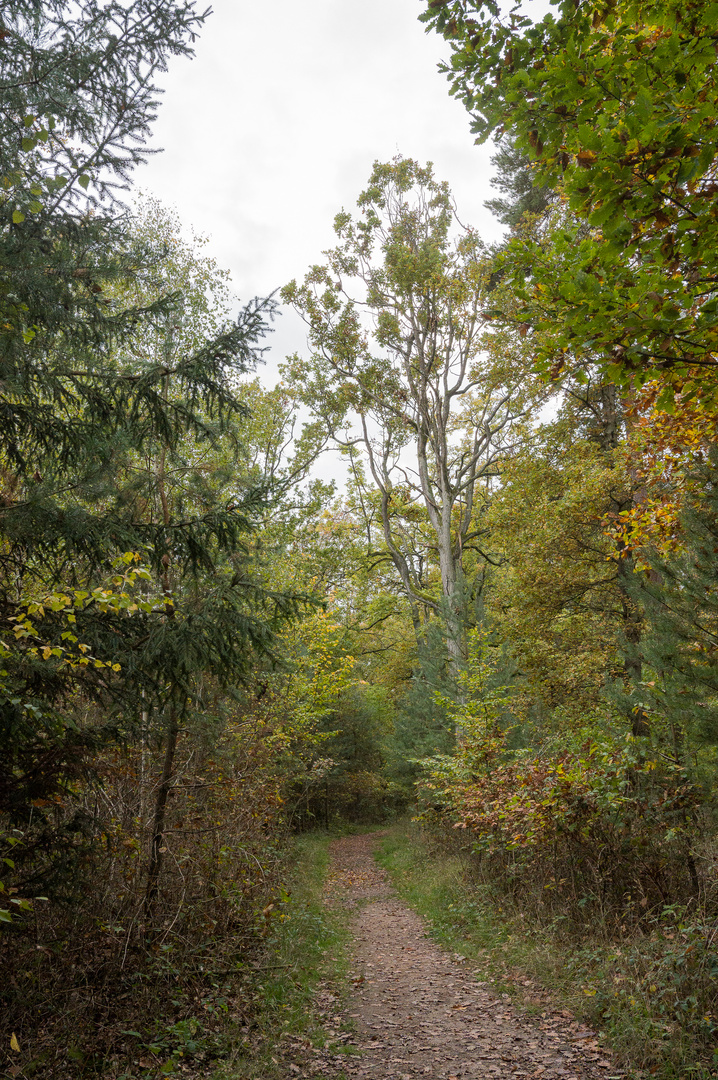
x=419 y=1012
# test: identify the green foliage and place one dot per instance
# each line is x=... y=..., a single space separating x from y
x=584 y=826
x=356 y=786
x=676 y=594
x=556 y=598
x=423 y=726
x=119 y=367
x=618 y=106
x=516 y=180
x=403 y=376
x=586 y=815
x=651 y=997
x=85 y=116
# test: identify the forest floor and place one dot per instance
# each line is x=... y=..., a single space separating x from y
x=417 y=1011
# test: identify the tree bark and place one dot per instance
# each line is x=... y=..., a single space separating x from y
x=157 y=848
x=158 y=825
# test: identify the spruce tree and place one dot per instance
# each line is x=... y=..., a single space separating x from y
x=81 y=393
x=676 y=594
x=516 y=180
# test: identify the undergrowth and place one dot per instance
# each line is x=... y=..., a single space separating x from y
x=651 y=994
x=299 y=979
x=229 y=1007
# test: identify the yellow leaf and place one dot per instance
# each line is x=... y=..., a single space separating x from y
x=14 y=1044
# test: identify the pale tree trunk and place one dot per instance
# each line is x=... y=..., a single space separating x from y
x=450 y=567
x=454 y=615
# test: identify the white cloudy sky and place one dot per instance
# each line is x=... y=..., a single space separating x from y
x=275 y=124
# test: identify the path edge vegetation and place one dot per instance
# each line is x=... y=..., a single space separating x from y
x=541 y=965
x=306 y=952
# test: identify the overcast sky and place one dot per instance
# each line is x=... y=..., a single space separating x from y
x=275 y=124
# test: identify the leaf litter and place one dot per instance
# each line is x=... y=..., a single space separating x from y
x=415 y=1011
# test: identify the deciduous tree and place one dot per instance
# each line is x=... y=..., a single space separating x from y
x=401 y=372
x=618 y=105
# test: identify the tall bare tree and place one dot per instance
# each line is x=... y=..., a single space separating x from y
x=407 y=377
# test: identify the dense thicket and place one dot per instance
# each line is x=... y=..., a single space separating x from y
x=91 y=383
x=139 y=788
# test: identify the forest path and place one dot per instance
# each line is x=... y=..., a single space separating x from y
x=419 y=1012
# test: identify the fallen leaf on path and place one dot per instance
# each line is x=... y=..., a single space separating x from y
x=403 y=969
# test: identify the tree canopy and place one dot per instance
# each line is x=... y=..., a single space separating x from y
x=402 y=369
x=617 y=106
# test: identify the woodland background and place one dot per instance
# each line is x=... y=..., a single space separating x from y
x=506 y=624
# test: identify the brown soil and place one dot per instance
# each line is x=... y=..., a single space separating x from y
x=417 y=1011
